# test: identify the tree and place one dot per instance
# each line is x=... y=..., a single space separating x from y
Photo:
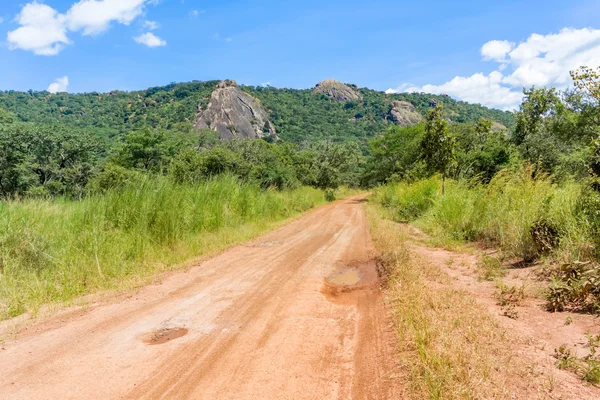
x=587 y=84
x=438 y=146
x=538 y=106
x=327 y=165
x=7 y=117
x=45 y=159
x=483 y=128
x=480 y=152
x=149 y=149
x=587 y=79
x=395 y=155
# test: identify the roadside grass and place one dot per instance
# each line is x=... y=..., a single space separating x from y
x=491 y=268
x=524 y=214
x=449 y=347
x=509 y=297
x=54 y=251
x=586 y=367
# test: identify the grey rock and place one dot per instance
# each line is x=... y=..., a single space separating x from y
x=232 y=113
x=498 y=127
x=337 y=91
x=404 y=114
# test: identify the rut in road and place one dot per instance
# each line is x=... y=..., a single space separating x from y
x=295 y=314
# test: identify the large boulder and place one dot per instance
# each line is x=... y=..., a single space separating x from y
x=233 y=113
x=404 y=114
x=337 y=91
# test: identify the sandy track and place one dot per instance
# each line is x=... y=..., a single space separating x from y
x=279 y=318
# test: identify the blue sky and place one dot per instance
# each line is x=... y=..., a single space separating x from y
x=398 y=45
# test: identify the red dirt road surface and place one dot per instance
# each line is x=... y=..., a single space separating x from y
x=295 y=314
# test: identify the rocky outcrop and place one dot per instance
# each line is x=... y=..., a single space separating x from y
x=404 y=114
x=498 y=127
x=337 y=91
x=235 y=114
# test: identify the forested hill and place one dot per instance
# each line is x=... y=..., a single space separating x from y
x=297 y=115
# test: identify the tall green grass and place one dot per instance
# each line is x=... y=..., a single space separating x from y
x=523 y=214
x=56 y=250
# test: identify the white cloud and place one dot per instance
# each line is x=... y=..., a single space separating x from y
x=150 y=39
x=547 y=60
x=44 y=31
x=59 y=85
x=541 y=60
x=151 y=25
x=478 y=88
x=496 y=50
x=94 y=16
x=1 y=20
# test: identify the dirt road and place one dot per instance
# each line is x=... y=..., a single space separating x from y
x=296 y=314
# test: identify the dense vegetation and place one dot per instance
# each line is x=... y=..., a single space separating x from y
x=131 y=164
x=301 y=115
x=533 y=192
x=55 y=250
x=298 y=115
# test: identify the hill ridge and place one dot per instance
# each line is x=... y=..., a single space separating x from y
x=295 y=114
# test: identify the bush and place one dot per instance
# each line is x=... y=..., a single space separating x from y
x=525 y=214
x=409 y=201
x=113 y=176
x=588 y=210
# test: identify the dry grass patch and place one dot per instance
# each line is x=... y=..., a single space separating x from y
x=450 y=347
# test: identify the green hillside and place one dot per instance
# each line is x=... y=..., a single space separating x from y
x=297 y=114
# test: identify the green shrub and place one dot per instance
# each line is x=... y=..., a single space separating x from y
x=410 y=201
x=525 y=214
x=113 y=176
x=588 y=210
x=56 y=250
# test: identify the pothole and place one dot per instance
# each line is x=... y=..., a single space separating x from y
x=345 y=278
x=345 y=281
x=350 y=281
x=163 y=336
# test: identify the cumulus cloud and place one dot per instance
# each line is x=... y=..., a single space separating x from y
x=541 y=60
x=94 y=16
x=496 y=50
x=478 y=88
x=59 y=85
x=43 y=30
x=150 y=39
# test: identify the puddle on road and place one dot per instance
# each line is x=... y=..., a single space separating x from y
x=163 y=336
x=351 y=282
x=346 y=278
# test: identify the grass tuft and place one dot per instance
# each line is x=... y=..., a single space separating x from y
x=524 y=214
x=52 y=251
x=450 y=348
